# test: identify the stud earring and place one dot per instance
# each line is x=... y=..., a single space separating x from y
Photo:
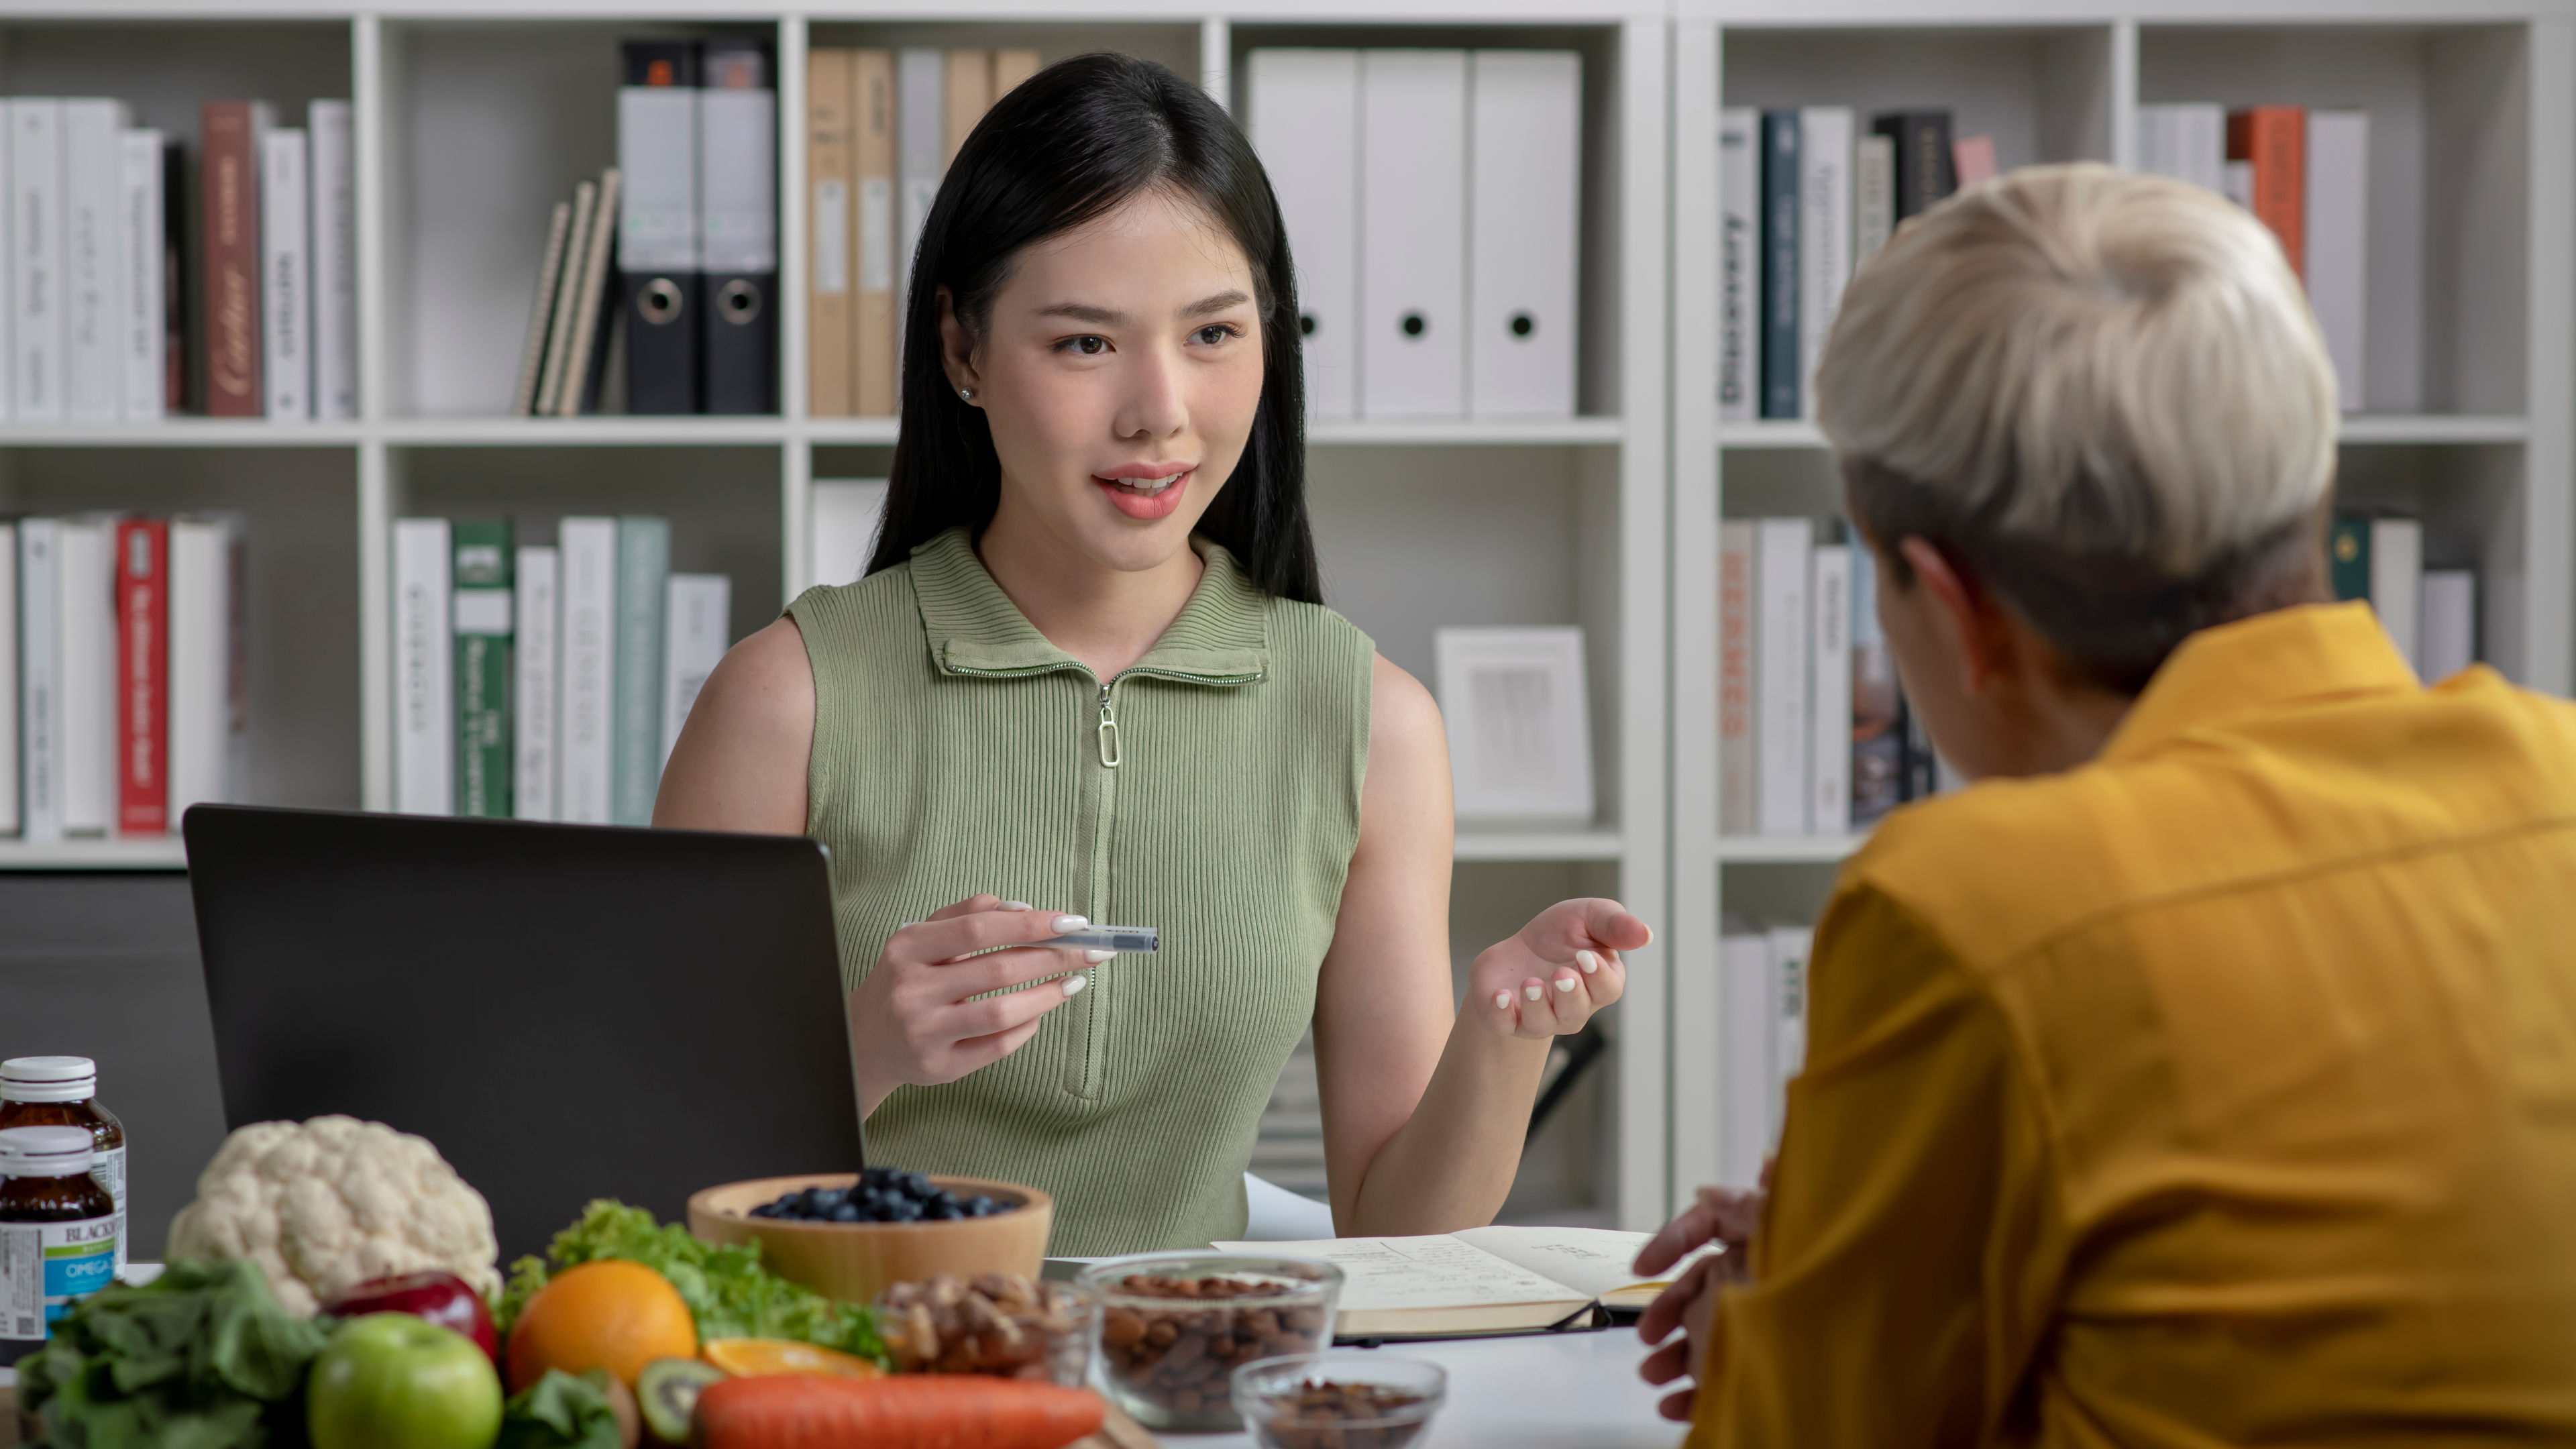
x=967 y=393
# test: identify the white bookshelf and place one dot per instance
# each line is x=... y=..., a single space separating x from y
x=2471 y=355
x=474 y=116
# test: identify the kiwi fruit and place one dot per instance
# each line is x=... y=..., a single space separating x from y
x=668 y=1390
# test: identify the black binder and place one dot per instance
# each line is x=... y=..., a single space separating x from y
x=738 y=238
x=659 y=287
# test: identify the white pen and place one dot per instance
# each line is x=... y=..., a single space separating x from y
x=1126 y=940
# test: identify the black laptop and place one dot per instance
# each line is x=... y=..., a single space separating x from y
x=566 y=1011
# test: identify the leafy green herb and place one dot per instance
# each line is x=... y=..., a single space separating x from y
x=559 y=1412
x=727 y=1290
x=203 y=1358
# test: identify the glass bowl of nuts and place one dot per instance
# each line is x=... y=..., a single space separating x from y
x=1174 y=1326
x=1353 y=1399
x=1001 y=1324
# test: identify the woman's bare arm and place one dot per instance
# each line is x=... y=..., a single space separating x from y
x=740 y=761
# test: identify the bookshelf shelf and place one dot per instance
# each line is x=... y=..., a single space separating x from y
x=1470 y=432
x=591 y=432
x=1786 y=849
x=183 y=433
x=1598 y=843
x=154 y=853
x=2359 y=429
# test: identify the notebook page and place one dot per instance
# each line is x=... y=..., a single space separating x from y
x=1438 y=1271
x=1592 y=1261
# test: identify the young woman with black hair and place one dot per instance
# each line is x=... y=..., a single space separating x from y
x=1090 y=669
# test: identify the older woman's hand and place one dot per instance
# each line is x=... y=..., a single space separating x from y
x=1722 y=1215
x=1552 y=974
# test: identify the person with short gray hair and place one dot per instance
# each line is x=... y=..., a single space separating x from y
x=2205 y=1073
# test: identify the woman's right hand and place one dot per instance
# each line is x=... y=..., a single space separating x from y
x=915 y=1020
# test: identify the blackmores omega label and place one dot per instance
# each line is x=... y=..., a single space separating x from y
x=45 y=1268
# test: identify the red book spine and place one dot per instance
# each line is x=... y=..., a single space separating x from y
x=142 y=677
x=231 y=191
x=2275 y=140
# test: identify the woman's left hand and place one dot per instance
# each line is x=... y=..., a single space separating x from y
x=1553 y=973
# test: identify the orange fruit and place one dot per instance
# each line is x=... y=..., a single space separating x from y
x=610 y=1314
x=751 y=1358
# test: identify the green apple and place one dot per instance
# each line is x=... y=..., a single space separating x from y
x=393 y=1381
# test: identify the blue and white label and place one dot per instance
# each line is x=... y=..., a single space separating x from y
x=46 y=1268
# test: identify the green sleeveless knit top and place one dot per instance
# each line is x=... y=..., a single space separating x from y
x=1212 y=790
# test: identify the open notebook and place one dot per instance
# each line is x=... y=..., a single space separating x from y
x=1483 y=1280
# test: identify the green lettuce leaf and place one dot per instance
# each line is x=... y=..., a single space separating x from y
x=559 y=1411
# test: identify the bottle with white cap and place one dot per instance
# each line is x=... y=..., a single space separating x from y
x=63 y=1092
x=57 y=1232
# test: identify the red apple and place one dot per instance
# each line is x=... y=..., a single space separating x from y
x=442 y=1298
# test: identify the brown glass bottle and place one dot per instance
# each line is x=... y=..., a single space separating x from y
x=48 y=1202
x=62 y=1092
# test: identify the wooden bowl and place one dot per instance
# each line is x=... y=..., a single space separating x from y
x=855 y=1261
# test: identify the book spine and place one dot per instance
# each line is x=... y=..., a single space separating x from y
x=2450 y=642
x=920 y=159
x=1782 y=649
x=40 y=685
x=142 y=362
x=635 y=750
x=1873 y=196
x=424 y=718
x=877 y=319
x=334 y=269
x=1973 y=160
x=1789 y=948
x=538 y=614
x=695 y=636
x=1877 y=736
x=8 y=280
x=1829 y=756
x=176 y=298
x=583 y=761
x=86 y=673
x=93 y=176
x=1780 y=209
x=587 y=363
x=231 y=158
x=2396 y=583
x=2336 y=232
x=36 y=256
x=2273 y=140
x=142 y=676
x=486 y=765
x=2348 y=556
x=1739 y=292
x=205 y=585
x=830 y=348
x=1926 y=173
x=286 y=269
x=9 y=645
x=1744 y=1136
x=1736 y=798
x=541 y=312
x=1824 y=235
x=564 y=305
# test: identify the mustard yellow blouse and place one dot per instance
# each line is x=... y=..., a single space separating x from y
x=2220 y=1092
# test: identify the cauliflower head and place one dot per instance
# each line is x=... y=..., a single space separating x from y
x=324 y=1205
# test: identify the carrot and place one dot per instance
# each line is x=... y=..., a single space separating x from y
x=916 y=1411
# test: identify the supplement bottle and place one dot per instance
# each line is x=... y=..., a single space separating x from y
x=63 y=1092
x=57 y=1233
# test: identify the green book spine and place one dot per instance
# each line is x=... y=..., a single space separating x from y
x=484 y=755
x=2348 y=556
x=635 y=742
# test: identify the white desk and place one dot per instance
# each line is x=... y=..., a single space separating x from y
x=1559 y=1391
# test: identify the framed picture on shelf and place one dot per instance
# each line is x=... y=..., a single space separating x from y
x=1520 y=738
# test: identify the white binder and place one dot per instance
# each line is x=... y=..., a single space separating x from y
x=921 y=158
x=1305 y=108
x=1824 y=234
x=1524 y=193
x=1413 y=226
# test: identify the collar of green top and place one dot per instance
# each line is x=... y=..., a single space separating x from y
x=1222 y=636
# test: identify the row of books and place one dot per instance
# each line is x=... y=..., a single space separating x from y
x=2306 y=175
x=545 y=682
x=881 y=129
x=1802 y=202
x=1433 y=200
x=1762 y=1000
x=1813 y=734
x=122 y=672
x=93 y=227
x=2431 y=614
x=688 y=220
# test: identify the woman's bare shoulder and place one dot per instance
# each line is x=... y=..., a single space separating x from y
x=740 y=761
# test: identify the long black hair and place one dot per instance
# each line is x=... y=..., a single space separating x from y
x=1063 y=148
